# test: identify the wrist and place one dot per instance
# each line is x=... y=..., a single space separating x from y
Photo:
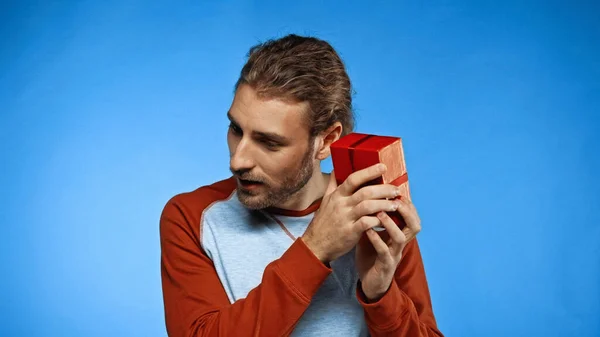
x=373 y=295
x=315 y=248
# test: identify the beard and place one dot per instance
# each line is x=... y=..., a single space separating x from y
x=270 y=195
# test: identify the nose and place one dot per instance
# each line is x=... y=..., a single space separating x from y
x=240 y=159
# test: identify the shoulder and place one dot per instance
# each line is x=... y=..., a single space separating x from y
x=199 y=199
x=184 y=210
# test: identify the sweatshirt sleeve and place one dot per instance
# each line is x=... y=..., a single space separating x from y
x=405 y=310
x=195 y=301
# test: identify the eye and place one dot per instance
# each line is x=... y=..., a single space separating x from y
x=235 y=129
x=271 y=145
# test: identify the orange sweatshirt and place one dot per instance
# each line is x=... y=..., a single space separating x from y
x=229 y=271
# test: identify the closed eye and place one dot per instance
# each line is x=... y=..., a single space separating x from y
x=235 y=129
x=271 y=145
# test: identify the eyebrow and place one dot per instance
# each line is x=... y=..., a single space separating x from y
x=269 y=135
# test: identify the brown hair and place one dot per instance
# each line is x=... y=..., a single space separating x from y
x=302 y=69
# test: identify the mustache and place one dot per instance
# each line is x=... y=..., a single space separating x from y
x=246 y=176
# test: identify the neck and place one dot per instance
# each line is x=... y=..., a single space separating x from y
x=312 y=191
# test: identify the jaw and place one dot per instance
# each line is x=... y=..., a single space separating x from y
x=305 y=196
x=296 y=191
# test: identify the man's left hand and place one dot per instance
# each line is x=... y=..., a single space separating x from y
x=378 y=253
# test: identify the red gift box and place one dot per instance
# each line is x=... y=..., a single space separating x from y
x=357 y=151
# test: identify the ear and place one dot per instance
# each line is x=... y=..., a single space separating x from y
x=325 y=139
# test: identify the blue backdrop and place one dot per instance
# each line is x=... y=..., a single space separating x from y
x=109 y=108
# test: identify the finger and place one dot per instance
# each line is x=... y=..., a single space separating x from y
x=332 y=184
x=366 y=222
x=383 y=251
x=358 y=178
x=409 y=214
x=398 y=239
x=379 y=191
x=407 y=201
x=371 y=207
x=410 y=208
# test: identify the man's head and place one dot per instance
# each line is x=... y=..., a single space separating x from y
x=292 y=100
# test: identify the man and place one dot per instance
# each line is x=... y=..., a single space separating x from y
x=278 y=248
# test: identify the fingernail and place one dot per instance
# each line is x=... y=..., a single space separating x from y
x=394 y=207
x=382 y=167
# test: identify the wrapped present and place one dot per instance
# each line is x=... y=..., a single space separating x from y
x=357 y=151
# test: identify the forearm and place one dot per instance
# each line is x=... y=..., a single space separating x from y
x=395 y=315
x=405 y=309
x=271 y=309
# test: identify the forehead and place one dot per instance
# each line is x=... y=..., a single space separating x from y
x=269 y=115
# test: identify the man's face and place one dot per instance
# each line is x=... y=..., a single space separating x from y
x=269 y=148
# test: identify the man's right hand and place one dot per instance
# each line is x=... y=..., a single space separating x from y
x=346 y=212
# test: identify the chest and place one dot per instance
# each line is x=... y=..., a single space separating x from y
x=242 y=249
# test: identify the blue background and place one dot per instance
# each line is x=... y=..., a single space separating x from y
x=108 y=108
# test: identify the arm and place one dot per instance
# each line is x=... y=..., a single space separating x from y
x=196 y=304
x=405 y=310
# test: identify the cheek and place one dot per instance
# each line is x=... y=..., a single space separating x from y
x=280 y=167
x=271 y=165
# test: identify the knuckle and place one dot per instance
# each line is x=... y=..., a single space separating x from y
x=366 y=193
x=364 y=223
x=360 y=208
x=416 y=223
x=359 y=196
x=352 y=180
x=367 y=207
x=402 y=240
x=361 y=224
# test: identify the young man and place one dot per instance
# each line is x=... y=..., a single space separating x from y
x=278 y=249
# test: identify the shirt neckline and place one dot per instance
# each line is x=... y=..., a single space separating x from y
x=295 y=213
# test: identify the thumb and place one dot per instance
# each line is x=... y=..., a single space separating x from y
x=332 y=184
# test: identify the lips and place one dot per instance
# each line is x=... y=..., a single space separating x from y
x=249 y=183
